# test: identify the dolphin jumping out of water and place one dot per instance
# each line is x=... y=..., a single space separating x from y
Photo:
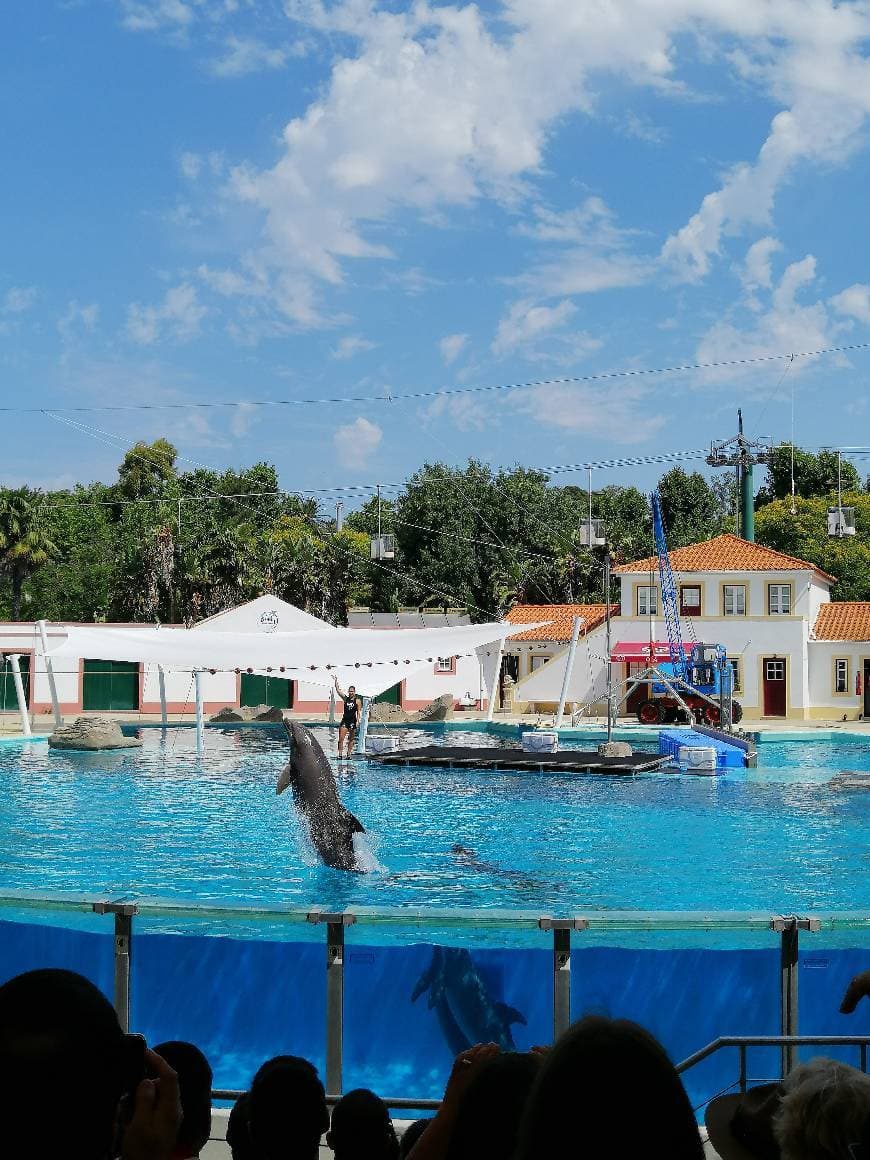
x=310 y=776
x=462 y=1002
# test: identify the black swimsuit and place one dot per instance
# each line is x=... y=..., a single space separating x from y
x=351 y=711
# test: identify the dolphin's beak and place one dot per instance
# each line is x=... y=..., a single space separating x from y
x=284 y=779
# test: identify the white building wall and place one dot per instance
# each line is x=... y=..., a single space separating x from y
x=824 y=701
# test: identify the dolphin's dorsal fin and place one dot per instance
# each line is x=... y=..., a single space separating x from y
x=510 y=1014
x=356 y=826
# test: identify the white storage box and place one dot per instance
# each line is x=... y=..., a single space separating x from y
x=697 y=759
x=380 y=744
x=540 y=742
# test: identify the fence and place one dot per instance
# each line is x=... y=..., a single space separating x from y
x=564 y=934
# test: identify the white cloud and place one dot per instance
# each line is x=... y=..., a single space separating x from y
x=351 y=345
x=356 y=442
x=178 y=316
x=464 y=412
x=809 y=60
x=621 y=416
x=854 y=302
x=243 y=419
x=785 y=321
x=243 y=55
x=756 y=271
x=158 y=15
x=78 y=319
x=525 y=322
x=18 y=300
x=190 y=165
x=452 y=346
x=581 y=251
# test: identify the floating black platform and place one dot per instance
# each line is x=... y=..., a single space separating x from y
x=566 y=760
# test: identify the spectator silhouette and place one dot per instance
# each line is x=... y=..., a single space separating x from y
x=825 y=1111
x=617 y=1085
x=194 y=1085
x=489 y=1115
x=238 y=1135
x=411 y=1135
x=73 y=1084
x=287 y=1112
x=361 y=1128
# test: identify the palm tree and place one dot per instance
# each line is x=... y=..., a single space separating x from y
x=25 y=539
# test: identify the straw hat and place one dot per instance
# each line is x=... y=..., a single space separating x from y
x=740 y=1127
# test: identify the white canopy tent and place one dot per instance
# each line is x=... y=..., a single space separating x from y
x=372 y=660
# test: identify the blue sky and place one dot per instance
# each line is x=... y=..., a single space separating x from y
x=240 y=200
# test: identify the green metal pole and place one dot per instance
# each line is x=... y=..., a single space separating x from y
x=747 y=503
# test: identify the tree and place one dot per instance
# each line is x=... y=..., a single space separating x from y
x=78 y=581
x=25 y=540
x=690 y=509
x=814 y=475
x=805 y=535
x=146 y=469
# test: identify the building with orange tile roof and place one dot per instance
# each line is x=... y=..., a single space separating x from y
x=796 y=654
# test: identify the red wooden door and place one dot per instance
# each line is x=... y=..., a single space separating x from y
x=774 y=678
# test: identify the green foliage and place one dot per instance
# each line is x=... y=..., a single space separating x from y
x=814 y=475
x=146 y=470
x=159 y=545
x=26 y=542
x=805 y=535
x=691 y=510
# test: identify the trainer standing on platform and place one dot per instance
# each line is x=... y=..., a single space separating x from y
x=349 y=717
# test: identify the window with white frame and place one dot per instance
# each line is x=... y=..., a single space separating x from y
x=444 y=665
x=841 y=675
x=734 y=600
x=647 y=600
x=690 y=600
x=779 y=599
x=538 y=662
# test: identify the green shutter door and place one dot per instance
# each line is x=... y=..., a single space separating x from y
x=110 y=685
x=8 y=699
x=261 y=690
x=390 y=696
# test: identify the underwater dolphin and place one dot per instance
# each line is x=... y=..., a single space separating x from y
x=310 y=776
x=453 y=980
x=432 y=980
x=850 y=779
x=467 y=857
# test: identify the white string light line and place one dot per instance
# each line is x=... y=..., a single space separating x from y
x=446 y=392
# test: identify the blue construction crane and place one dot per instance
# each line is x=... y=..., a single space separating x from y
x=670 y=604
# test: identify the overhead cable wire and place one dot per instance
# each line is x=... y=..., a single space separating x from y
x=445 y=392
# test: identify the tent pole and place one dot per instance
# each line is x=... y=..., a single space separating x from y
x=332 y=706
x=55 y=704
x=569 y=669
x=19 y=693
x=363 y=726
x=197 y=680
x=161 y=677
x=496 y=673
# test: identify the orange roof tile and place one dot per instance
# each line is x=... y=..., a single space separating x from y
x=727 y=553
x=561 y=617
x=843 y=620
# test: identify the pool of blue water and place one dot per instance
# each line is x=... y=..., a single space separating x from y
x=163 y=823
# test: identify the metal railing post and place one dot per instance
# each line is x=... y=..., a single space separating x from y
x=561 y=929
x=123 y=912
x=335 y=924
x=788 y=928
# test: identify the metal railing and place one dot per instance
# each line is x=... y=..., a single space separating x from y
x=561 y=929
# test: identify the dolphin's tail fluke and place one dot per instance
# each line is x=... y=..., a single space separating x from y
x=510 y=1014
